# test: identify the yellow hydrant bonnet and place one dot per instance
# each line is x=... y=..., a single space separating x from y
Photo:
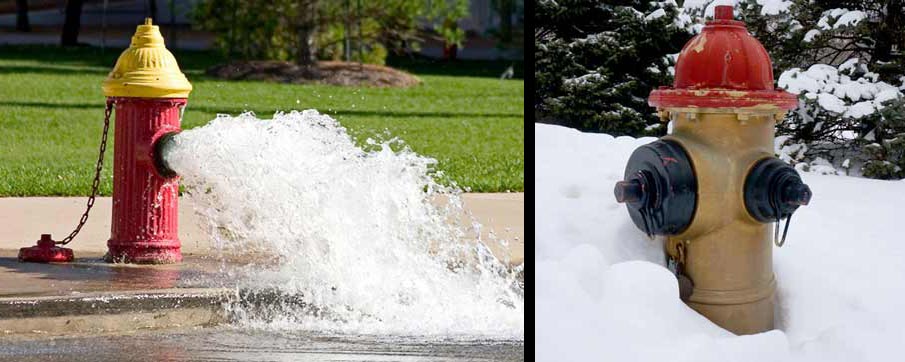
x=147 y=69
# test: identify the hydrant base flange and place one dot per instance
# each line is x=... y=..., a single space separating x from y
x=132 y=255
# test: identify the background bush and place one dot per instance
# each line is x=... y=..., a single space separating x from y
x=249 y=31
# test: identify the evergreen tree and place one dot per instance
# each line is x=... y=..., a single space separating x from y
x=596 y=62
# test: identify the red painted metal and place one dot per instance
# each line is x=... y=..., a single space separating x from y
x=45 y=252
x=145 y=203
x=724 y=66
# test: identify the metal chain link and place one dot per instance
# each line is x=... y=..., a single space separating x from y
x=97 y=175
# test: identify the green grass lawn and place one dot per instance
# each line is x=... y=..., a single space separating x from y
x=52 y=107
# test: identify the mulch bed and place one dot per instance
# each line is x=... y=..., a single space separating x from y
x=327 y=72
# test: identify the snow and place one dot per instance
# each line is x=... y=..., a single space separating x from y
x=582 y=80
x=831 y=103
x=849 y=65
x=774 y=7
x=656 y=14
x=603 y=292
x=836 y=91
x=837 y=18
x=850 y=18
x=811 y=34
x=887 y=94
x=860 y=109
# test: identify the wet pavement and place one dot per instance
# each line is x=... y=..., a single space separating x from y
x=90 y=310
x=89 y=273
x=232 y=344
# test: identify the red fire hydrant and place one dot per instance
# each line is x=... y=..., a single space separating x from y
x=148 y=92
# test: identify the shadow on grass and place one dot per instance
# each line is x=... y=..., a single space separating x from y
x=460 y=68
x=189 y=60
x=340 y=112
x=57 y=69
x=193 y=61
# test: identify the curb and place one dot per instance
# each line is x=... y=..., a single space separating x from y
x=114 y=311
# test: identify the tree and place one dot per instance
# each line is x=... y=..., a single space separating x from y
x=307 y=33
x=22 y=16
x=73 y=23
x=307 y=30
x=596 y=62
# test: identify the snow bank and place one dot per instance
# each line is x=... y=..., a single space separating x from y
x=603 y=292
x=836 y=91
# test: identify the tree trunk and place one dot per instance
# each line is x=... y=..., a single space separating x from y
x=307 y=34
x=506 y=10
x=22 y=16
x=450 y=51
x=887 y=36
x=72 y=23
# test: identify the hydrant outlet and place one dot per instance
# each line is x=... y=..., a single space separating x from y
x=774 y=190
x=631 y=191
x=163 y=146
x=659 y=188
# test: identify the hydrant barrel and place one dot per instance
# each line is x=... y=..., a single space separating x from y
x=149 y=93
x=719 y=187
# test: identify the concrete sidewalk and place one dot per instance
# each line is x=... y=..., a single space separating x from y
x=25 y=219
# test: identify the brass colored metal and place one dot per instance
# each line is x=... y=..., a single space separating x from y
x=727 y=253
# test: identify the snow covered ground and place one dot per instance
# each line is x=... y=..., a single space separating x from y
x=604 y=294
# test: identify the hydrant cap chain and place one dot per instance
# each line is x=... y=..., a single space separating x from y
x=147 y=69
x=723 y=67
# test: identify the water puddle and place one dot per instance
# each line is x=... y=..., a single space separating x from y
x=231 y=344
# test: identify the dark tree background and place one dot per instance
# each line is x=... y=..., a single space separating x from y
x=596 y=63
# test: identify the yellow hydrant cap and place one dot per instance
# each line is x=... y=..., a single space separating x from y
x=147 y=69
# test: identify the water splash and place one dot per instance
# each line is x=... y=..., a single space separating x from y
x=353 y=240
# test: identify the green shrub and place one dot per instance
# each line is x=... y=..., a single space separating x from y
x=247 y=30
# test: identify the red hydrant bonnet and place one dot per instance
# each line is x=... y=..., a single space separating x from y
x=722 y=67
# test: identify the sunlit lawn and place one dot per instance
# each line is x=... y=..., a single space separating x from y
x=51 y=116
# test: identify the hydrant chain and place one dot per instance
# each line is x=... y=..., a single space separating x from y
x=95 y=185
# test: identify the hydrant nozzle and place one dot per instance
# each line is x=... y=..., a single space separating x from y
x=629 y=191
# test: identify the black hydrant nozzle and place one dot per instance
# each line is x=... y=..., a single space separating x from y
x=629 y=191
x=797 y=194
x=161 y=147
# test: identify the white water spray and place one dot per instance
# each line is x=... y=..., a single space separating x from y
x=356 y=234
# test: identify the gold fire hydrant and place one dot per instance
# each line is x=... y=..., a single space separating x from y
x=713 y=186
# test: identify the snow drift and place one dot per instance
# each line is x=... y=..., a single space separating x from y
x=604 y=293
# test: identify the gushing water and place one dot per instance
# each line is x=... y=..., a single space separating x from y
x=357 y=235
